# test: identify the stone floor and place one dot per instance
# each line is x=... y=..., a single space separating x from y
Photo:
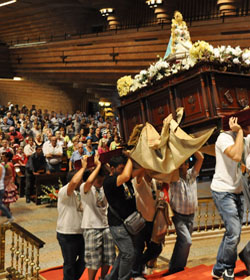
x=41 y=221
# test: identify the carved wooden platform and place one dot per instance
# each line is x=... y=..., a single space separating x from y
x=206 y=93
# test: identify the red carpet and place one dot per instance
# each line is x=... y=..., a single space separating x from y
x=201 y=272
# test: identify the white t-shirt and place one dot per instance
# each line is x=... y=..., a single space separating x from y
x=95 y=208
x=145 y=202
x=69 y=214
x=247 y=151
x=227 y=176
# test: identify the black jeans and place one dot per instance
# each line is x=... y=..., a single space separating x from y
x=72 y=246
x=142 y=257
x=29 y=182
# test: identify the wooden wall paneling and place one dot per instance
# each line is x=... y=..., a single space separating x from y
x=191 y=97
x=215 y=95
x=159 y=107
x=131 y=116
x=233 y=94
x=209 y=94
x=204 y=96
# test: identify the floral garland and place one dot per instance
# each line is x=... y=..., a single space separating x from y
x=226 y=56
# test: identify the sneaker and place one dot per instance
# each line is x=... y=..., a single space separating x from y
x=216 y=274
x=139 y=278
x=228 y=274
x=11 y=220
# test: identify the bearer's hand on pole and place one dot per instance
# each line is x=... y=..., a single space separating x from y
x=97 y=159
x=233 y=124
x=84 y=161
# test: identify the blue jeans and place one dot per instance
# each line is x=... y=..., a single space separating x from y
x=231 y=209
x=72 y=246
x=184 y=228
x=3 y=208
x=122 y=267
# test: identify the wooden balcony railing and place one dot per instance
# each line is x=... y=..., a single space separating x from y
x=24 y=247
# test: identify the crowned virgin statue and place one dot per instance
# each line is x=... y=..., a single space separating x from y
x=180 y=42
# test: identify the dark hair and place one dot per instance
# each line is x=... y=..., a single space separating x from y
x=103 y=171
x=8 y=155
x=86 y=175
x=115 y=161
x=70 y=175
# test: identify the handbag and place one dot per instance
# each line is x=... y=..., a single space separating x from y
x=134 y=223
x=161 y=221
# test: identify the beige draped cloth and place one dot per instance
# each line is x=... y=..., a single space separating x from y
x=163 y=154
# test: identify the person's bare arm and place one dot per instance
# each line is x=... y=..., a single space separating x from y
x=77 y=178
x=93 y=175
x=126 y=173
x=70 y=165
x=235 y=151
x=199 y=160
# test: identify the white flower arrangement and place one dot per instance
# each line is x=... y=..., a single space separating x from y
x=200 y=51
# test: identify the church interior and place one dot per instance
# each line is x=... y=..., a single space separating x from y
x=181 y=66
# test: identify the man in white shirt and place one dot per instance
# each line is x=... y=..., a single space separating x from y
x=30 y=148
x=227 y=194
x=53 y=153
x=69 y=232
x=99 y=245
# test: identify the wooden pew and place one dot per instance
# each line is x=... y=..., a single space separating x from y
x=47 y=180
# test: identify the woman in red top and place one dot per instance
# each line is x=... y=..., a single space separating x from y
x=19 y=159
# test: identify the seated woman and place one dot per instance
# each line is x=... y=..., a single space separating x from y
x=116 y=143
x=38 y=140
x=103 y=147
x=19 y=159
x=88 y=149
x=82 y=136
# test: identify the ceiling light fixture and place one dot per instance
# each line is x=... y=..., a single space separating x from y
x=154 y=3
x=106 y=11
x=7 y=3
x=17 y=78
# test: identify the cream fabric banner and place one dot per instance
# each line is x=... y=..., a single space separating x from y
x=166 y=152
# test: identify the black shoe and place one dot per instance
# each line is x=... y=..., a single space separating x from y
x=216 y=274
x=247 y=264
x=228 y=274
x=172 y=271
x=27 y=200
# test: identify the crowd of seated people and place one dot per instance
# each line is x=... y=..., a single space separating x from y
x=63 y=138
